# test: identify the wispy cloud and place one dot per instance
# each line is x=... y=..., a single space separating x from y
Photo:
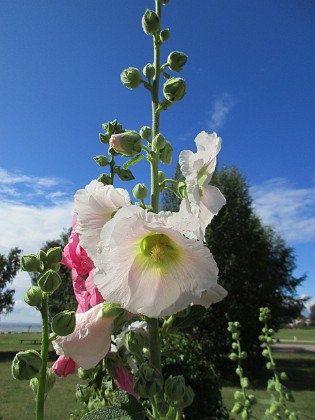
x=289 y=209
x=220 y=109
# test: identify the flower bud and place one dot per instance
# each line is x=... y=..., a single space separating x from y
x=166 y=153
x=33 y=296
x=105 y=179
x=243 y=355
x=135 y=342
x=234 y=346
x=161 y=176
x=145 y=132
x=237 y=408
x=149 y=71
x=101 y=160
x=104 y=138
x=26 y=365
x=63 y=323
x=31 y=263
x=140 y=191
x=49 y=383
x=188 y=397
x=124 y=174
x=148 y=382
x=165 y=35
x=128 y=143
x=158 y=142
x=176 y=60
x=53 y=256
x=49 y=281
x=235 y=336
x=131 y=78
x=83 y=393
x=175 y=388
x=233 y=357
x=111 y=310
x=265 y=353
x=150 y=22
x=174 y=89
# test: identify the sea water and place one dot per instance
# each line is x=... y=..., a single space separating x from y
x=19 y=327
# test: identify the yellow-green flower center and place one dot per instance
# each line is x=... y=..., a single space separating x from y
x=159 y=250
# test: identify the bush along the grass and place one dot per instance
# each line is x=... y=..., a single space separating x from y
x=279 y=393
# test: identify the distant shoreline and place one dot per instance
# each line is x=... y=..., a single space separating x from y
x=19 y=327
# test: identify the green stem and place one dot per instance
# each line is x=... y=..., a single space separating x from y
x=40 y=398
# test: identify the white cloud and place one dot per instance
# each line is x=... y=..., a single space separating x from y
x=289 y=209
x=26 y=225
x=220 y=109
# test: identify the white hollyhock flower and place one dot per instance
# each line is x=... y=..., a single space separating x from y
x=90 y=341
x=203 y=200
x=95 y=205
x=148 y=266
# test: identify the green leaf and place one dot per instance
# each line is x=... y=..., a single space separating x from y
x=196 y=312
x=132 y=161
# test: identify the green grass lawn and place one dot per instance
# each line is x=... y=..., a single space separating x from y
x=300 y=334
x=17 y=399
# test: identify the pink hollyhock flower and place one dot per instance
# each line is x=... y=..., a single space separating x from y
x=74 y=256
x=90 y=341
x=124 y=380
x=94 y=295
x=64 y=366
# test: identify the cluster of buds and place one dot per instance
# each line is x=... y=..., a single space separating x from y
x=243 y=401
x=177 y=393
x=148 y=381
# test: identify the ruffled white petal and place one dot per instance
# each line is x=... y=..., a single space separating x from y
x=90 y=341
x=95 y=206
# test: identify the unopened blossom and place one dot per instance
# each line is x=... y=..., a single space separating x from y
x=203 y=200
x=95 y=205
x=64 y=366
x=90 y=341
x=148 y=266
x=124 y=380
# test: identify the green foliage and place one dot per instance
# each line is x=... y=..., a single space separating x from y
x=255 y=267
x=182 y=356
x=9 y=266
x=64 y=296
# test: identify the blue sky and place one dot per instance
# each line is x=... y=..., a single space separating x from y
x=250 y=78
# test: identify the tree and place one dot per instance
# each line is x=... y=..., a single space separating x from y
x=312 y=313
x=255 y=267
x=63 y=298
x=9 y=266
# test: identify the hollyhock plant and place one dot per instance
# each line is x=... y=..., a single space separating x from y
x=95 y=205
x=90 y=341
x=203 y=200
x=149 y=267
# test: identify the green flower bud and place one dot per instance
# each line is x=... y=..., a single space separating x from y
x=165 y=35
x=128 y=143
x=159 y=141
x=145 y=132
x=150 y=22
x=174 y=89
x=235 y=336
x=238 y=395
x=101 y=160
x=26 y=365
x=49 y=281
x=166 y=153
x=243 y=355
x=111 y=310
x=283 y=376
x=140 y=191
x=148 y=382
x=50 y=382
x=31 y=263
x=149 y=71
x=135 y=342
x=176 y=60
x=124 y=174
x=83 y=393
x=237 y=408
x=233 y=357
x=188 y=397
x=63 y=323
x=104 y=138
x=53 y=256
x=86 y=373
x=131 y=78
x=239 y=371
x=175 y=388
x=265 y=353
x=105 y=179
x=237 y=324
x=244 y=382
x=234 y=346
x=163 y=408
x=269 y=365
x=33 y=296
x=161 y=176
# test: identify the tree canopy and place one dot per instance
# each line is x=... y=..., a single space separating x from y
x=9 y=266
x=255 y=267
